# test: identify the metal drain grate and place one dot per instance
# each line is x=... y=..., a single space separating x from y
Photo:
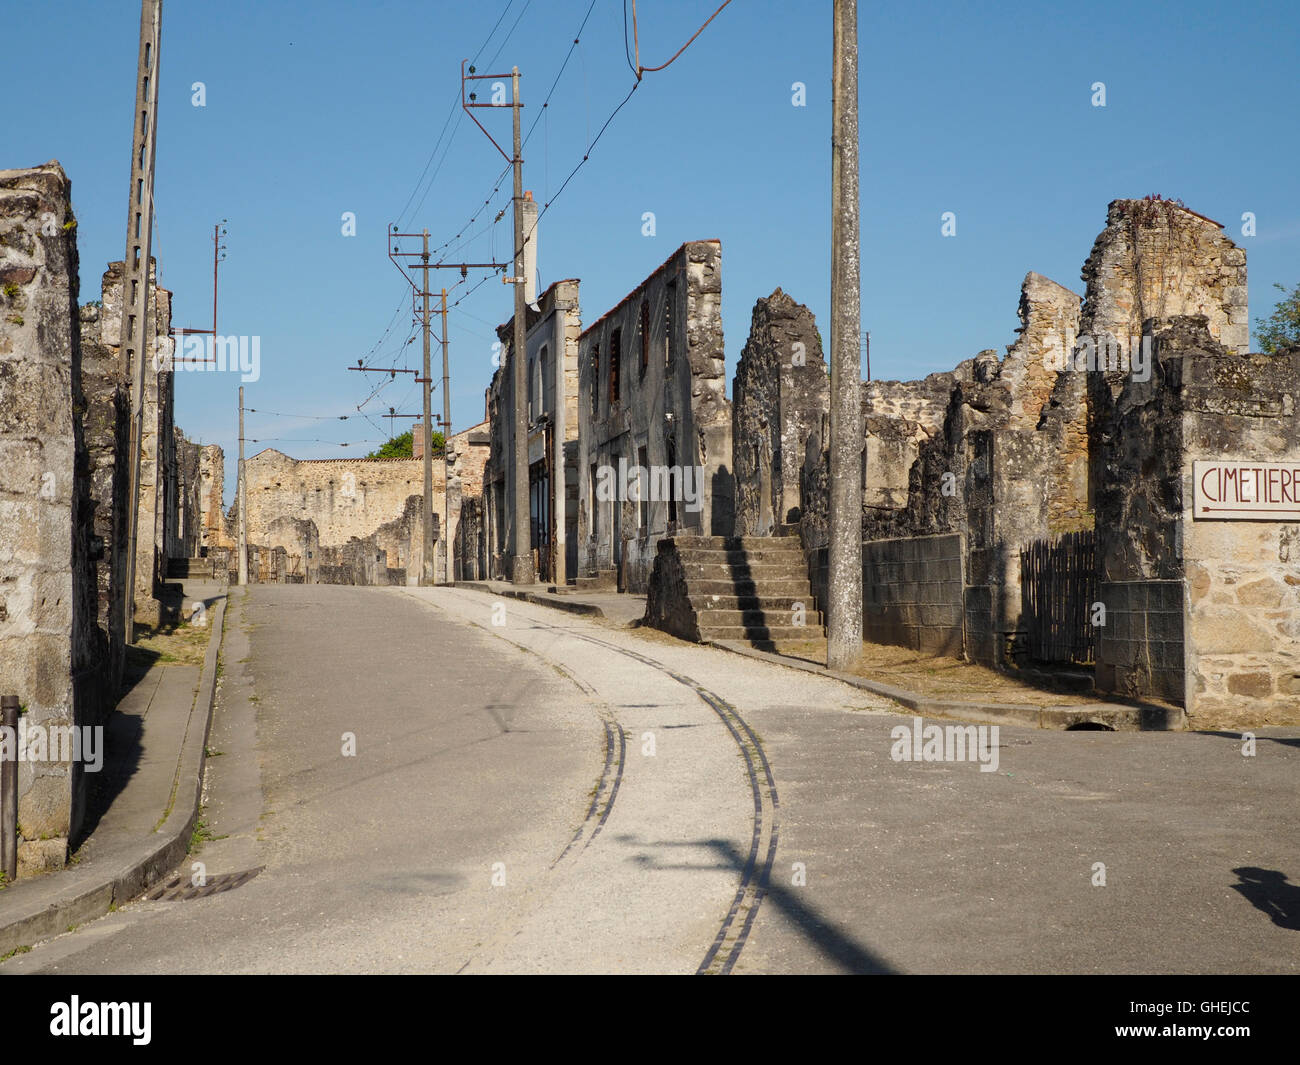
x=181 y=889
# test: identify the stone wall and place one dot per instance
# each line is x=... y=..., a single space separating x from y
x=1156 y=259
x=49 y=654
x=1204 y=613
x=108 y=432
x=994 y=451
x=341 y=500
x=671 y=412
x=157 y=502
x=781 y=395
x=551 y=346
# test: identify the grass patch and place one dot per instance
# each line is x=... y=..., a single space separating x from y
x=16 y=950
x=202 y=834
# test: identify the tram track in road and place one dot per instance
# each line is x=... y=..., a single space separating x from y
x=724 y=952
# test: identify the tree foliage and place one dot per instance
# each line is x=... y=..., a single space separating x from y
x=1282 y=327
x=402 y=446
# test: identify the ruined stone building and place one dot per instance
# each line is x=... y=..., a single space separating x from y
x=551 y=345
x=65 y=410
x=652 y=398
x=350 y=521
x=1042 y=505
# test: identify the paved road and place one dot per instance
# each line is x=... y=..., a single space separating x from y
x=634 y=790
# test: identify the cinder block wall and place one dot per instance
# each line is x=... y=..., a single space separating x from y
x=912 y=592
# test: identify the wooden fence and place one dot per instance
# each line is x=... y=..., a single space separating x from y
x=1058 y=585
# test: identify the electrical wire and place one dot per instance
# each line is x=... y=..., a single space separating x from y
x=649 y=70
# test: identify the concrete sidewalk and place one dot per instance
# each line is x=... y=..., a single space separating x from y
x=145 y=803
x=628 y=610
x=619 y=607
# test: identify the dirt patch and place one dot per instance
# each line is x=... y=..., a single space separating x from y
x=940 y=677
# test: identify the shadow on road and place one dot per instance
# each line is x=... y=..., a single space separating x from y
x=832 y=941
x=1270 y=891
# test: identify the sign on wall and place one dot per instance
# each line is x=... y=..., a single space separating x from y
x=1228 y=491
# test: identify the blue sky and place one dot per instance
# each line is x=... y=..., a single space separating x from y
x=315 y=109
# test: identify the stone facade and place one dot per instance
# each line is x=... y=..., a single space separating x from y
x=50 y=654
x=652 y=394
x=108 y=433
x=551 y=342
x=1203 y=613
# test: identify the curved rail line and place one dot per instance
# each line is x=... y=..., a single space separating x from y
x=723 y=953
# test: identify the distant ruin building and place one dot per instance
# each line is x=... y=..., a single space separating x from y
x=350 y=521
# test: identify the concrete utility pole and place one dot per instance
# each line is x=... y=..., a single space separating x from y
x=844 y=580
x=446 y=445
x=137 y=321
x=522 y=565
x=242 y=498
x=428 y=573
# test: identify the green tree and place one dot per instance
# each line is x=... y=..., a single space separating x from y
x=402 y=447
x=1282 y=327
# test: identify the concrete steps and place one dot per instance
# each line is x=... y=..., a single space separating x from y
x=746 y=588
x=186 y=569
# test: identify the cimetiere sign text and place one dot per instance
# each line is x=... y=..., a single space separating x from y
x=1241 y=490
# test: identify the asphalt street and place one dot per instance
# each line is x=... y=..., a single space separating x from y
x=433 y=780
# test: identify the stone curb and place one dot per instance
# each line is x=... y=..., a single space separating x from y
x=155 y=855
x=1118 y=716
x=586 y=609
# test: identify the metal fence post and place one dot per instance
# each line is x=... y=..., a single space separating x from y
x=9 y=790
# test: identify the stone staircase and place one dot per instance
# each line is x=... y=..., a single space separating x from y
x=733 y=588
x=191 y=569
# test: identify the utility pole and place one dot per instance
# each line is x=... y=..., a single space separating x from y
x=844 y=579
x=243 y=497
x=446 y=445
x=522 y=564
x=521 y=570
x=428 y=570
x=218 y=257
x=137 y=321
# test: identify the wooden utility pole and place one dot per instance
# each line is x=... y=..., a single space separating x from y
x=522 y=565
x=243 y=498
x=844 y=579
x=137 y=317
